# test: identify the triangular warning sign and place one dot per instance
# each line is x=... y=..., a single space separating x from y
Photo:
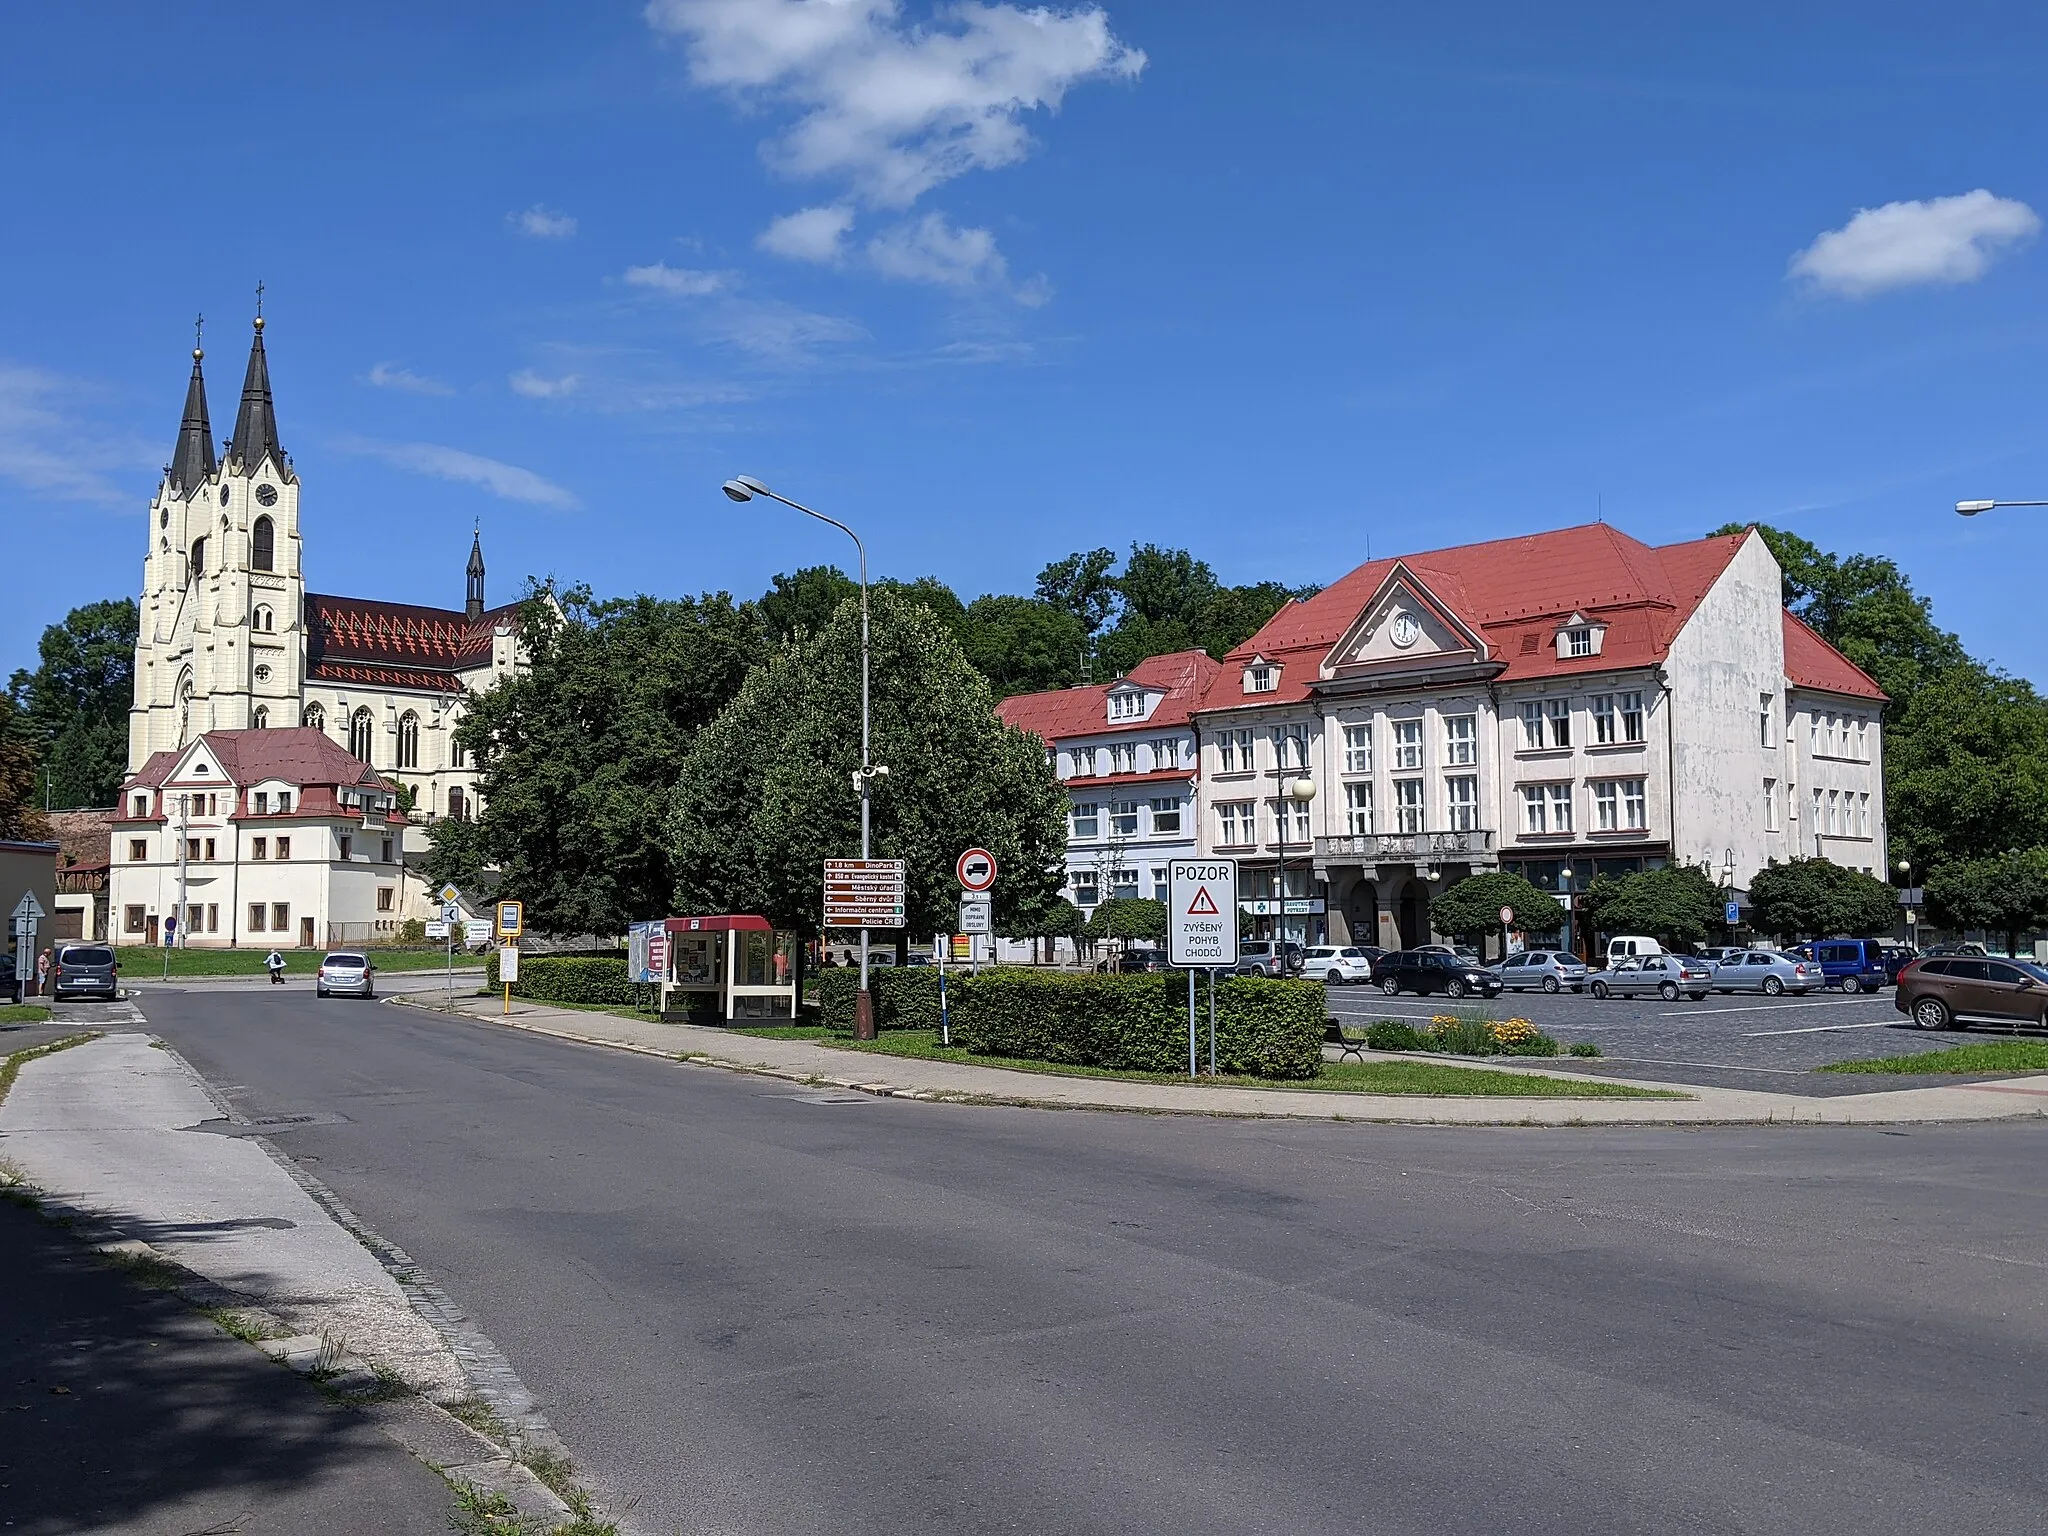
x=1202 y=906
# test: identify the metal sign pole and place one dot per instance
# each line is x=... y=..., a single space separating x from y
x=943 y=944
x=1212 y=1021
x=1191 y=1023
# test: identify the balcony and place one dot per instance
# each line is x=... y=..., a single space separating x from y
x=1406 y=848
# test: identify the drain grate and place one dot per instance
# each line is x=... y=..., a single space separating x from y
x=829 y=1098
x=269 y=1125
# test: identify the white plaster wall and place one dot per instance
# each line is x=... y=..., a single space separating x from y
x=1583 y=761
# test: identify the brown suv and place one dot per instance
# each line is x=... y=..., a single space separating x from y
x=1943 y=992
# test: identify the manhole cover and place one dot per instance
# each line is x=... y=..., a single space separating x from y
x=270 y=1125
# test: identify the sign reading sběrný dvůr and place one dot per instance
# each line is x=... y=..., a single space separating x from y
x=863 y=893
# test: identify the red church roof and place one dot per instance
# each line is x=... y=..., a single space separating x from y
x=399 y=645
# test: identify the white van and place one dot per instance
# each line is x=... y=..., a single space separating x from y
x=1629 y=945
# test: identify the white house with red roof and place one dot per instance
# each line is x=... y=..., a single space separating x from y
x=231 y=640
x=257 y=837
x=1126 y=751
x=1562 y=705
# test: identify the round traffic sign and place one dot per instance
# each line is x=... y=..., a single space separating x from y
x=1507 y=914
x=976 y=869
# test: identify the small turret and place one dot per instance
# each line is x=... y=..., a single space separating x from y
x=192 y=462
x=256 y=422
x=474 y=607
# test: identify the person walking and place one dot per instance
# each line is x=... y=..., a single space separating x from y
x=274 y=963
x=43 y=974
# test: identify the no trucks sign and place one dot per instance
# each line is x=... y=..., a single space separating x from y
x=1201 y=928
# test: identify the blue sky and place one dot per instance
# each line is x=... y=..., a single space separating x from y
x=1269 y=282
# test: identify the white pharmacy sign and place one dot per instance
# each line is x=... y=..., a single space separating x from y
x=1201 y=900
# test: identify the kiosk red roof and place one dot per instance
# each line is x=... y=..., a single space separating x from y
x=726 y=923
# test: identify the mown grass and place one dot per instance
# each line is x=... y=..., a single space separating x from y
x=23 y=1013
x=140 y=962
x=1989 y=1056
x=1423 y=1078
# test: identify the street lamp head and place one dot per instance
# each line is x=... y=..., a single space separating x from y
x=738 y=490
x=1905 y=866
x=1303 y=789
x=1972 y=508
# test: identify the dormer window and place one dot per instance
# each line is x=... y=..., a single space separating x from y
x=1579 y=638
x=1126 y=705
x=1261 y=677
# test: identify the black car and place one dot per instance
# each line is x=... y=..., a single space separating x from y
x=10 y=983
x=85 y=970
x=1422 y=970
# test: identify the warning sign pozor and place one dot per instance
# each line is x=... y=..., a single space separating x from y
x=1201 y=928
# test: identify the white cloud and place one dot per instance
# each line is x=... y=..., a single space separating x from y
x=780 y=332
x=680 y=281
x=930 y=250
x=47 y=450
x=391 y=376
x=1941 y=240
x=442 y=463
x=535 y=386
x=891 y=107
x=543 y=223
x=809 y=234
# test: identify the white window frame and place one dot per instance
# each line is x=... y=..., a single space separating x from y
x=1123 y=757
x=1123 y=818
x=1358 y=807
x=1634 y=720
x=1559 y=714
x=1767 y=719
x=1358 y=748
x=1161 y=885
x=1166 y=813
x=1123 y=883
x=1576 y=643
x=1407 y=745
x=1263 y=678
x=1532 y=725
x=1770 y=805
x=1461 y=741
x=1409 y=810
x=1635 y=805
x=1606 y=728
x=1126 y=704
x=1083 y=759
x=1290 y=746
x=1535 y=812
x=1087 y=888
x=1461 y=802
x=1090 y=812
x=1235 y=824
x=1606 y=805
x=1561 y=798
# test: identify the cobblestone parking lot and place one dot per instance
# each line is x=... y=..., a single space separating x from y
x=1738 y=1041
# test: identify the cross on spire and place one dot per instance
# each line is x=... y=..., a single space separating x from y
x=259 y=298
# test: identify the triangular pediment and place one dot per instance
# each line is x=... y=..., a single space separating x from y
x=1404 y=625
x=198 y=764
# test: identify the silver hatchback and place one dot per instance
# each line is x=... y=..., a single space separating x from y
x=1545 y=970
x=1665 y=975
x=1766 y=971
x=345 y=974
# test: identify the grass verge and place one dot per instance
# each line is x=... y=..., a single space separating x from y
x=140 y=962
x=23 y=1013
x=1990 y=1056
x=1422 y=1078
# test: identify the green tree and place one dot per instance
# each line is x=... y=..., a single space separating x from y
x=455 y=853
x=804 y=603
x=576 y=756
x=1024 y=644
x=21 y=817
x=1813 y=898
x=77 y=701
x=2005 y=894
x=765 y=793
x=1129 y=917
x=1053 y=917
x=1471 y=908
x=1966 y=769
x=1082 y=585
x=1676 y=905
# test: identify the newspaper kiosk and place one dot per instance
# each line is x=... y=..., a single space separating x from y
x=733 y=968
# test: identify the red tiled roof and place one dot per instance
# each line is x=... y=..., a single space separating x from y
x=1510 y=591
x=361 y=629
x=298 y=755
x=1118 y=780
x=368 y=676
x=1060 y=713
x=1810 y=662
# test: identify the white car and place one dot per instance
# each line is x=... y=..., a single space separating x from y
x=1336 y=964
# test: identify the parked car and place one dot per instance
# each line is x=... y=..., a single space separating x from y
x=1335 y=964
x=1765 y=971
x=85 y=970
x=345 y=971
x=1896 y=958
x=1959 y=947
x=1270 y=956
x=1547 y=970
x=1854 y=965
x=1716 y=954
x=10 y=983
x=1418 y=970
x=1665 y=975
x=1625 y=945
x=1945 y=991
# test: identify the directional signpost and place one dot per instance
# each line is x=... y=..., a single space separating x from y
x=863 y=893
x=27 y=913
x=1201 y=931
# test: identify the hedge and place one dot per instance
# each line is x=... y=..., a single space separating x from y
x=906 y=997
x=1264 y=1028
x=571 y=979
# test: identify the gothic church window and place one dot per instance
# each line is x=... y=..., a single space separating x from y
x=264 y=619
x=361 y=733
x=315 y=718
x=261 y=719
x=262 y=546
x=198 y=558
x=408 y=740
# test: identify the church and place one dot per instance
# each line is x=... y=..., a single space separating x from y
x=240 y=671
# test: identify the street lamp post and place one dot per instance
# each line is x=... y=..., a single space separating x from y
x=746 y=488
x=1301 y=791
x=1972 y=508
x=1571 y=910
x=1912 y=915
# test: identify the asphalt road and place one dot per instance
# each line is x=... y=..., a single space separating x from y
x=755 y=1308
x=1742 y=1040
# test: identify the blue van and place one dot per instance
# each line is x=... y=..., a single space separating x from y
x=1854 y=965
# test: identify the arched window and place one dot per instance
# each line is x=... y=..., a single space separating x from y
x=315 y=718
x=361 y=732
x=261 y=719
x=458 y=804
x=263 y=619
x=262 y=545
x=457 y=756
x=198 y=557
x=185 y=692
x=408 y=740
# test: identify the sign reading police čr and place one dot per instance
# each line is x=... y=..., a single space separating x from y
x=1201 y=928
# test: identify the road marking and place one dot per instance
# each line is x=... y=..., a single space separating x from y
x=1832 y=1002
x=1818 y=1029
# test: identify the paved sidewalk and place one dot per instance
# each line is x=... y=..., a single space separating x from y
x=904 y=1077
x=127 y=1412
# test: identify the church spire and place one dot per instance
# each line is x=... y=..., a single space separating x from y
x=192 y=463
x=256 y=422
x=474 y=607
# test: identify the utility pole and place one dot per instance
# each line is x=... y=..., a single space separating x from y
x=184 y=846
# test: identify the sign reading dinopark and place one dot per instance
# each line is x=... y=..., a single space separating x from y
x=1201 y=926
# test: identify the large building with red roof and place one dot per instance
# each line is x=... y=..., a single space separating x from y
x=230 y=640
x=1563 y=705
x=1127 y=753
